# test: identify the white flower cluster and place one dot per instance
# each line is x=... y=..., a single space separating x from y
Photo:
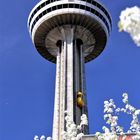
x=111 y=117
x=130 y=23
x=106 y=136
x=42 y=138
x=74 y=132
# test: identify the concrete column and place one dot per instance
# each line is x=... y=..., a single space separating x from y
x=69 y=81
x=69 y=73
x=57 y=99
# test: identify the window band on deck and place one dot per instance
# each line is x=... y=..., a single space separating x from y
x=63 y=6
x=89 y=1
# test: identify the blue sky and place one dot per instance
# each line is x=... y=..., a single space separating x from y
x=27 y=80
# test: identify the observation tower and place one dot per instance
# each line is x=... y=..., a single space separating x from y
x=69 y=33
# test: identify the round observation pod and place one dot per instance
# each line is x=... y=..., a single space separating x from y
x=51 y=20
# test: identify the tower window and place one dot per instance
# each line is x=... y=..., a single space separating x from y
x=53 y=8
x=87 y=8
x=90 y=1
x=44 y=12
x=65 y=5
x=82 y=7
x=93 y=2
x=49 y=10
x=76 y=5
x=71 y=5
x=42 y=5
x=59 y=6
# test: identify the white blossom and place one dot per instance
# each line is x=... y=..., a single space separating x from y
x=84 y=120
x=78 y=137
x=36 y=138
x=107 y=136
x=105 y=129
x=130 y=23
x=72 y=130
x=42 y=137
x=125 y=98
x=112 y=115
x=136 y=137
x=49 y=138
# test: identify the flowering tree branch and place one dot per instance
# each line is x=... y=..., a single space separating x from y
x=130 y=23
x=112 y=115
x=73 y=131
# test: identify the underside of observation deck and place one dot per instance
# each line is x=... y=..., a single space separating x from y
x=88 y=30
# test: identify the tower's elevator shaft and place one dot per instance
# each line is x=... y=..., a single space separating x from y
x=70 y=80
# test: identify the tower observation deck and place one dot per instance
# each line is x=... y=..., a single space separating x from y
x=69 y=33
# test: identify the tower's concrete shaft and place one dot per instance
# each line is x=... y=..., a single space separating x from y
x=70 y=80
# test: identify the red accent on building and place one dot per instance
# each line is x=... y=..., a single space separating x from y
x=129 y=137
